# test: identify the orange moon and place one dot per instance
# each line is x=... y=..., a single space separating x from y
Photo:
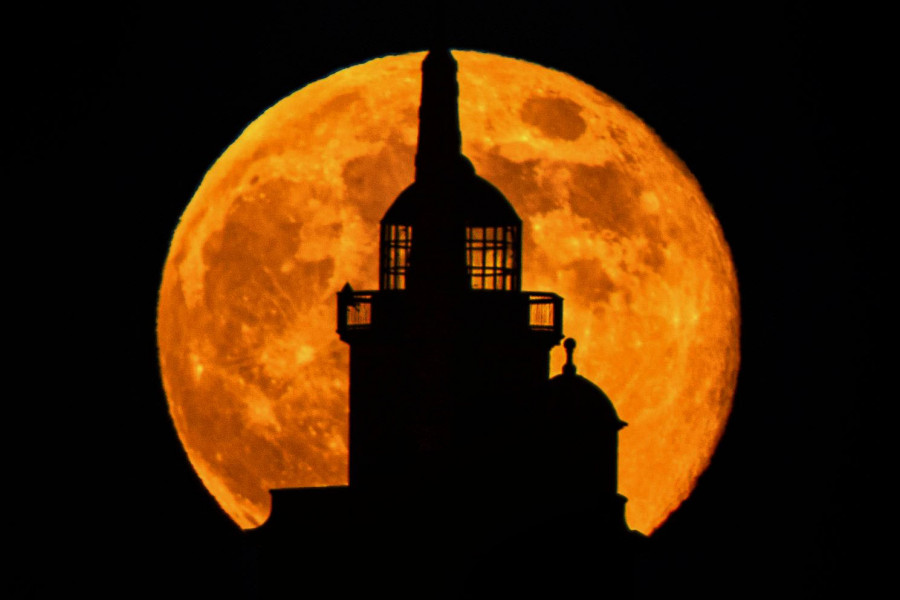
x=255 y=375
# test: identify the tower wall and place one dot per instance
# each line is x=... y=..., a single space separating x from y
x=441 y=408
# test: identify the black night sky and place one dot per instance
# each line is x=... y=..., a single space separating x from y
x=772 y=108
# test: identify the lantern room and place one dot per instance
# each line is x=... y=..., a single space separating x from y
x=478 y=228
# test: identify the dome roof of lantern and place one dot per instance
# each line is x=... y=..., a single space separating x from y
x=479 y=203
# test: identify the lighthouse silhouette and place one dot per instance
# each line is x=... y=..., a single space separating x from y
x=471 y=471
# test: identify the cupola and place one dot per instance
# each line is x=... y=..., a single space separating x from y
x=450 y=230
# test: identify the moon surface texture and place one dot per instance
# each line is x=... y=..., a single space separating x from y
x=255 y=375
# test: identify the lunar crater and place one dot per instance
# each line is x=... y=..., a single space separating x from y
x=554 y=117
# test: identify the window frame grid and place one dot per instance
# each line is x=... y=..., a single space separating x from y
x=396 y=244
x=492 y=257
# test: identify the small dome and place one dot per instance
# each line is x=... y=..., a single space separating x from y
x=477 y=200
x=577 y=398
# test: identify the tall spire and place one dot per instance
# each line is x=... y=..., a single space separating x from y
x=439 y=152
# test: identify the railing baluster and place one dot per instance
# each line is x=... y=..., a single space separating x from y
x=354 y=310
x=544 y=312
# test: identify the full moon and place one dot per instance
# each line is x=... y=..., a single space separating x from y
x=613 y=221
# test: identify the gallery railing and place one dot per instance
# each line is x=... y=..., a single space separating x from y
x=544 y=312
x=355 y=309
